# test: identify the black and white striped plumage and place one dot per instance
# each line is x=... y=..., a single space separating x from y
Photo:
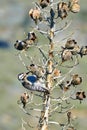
x=32 y=83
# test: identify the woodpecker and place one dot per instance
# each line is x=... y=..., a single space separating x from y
x=32 y=83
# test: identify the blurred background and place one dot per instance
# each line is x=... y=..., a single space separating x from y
x=14 y=24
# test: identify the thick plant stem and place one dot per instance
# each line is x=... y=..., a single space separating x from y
x=44 y=118
x=43 y=122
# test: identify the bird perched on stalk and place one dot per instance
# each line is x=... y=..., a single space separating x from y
x=32 y=83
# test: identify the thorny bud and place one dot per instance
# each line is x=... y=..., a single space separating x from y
x=76 y=80
x=80 y=96
x=83 y=51
x=44 y=3
x=35 y=14
x=74 y=6
x=24 y=99
x=63 y=9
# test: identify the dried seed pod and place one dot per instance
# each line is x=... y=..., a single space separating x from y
x=56 y=72
x=83 y=51
x=37 y=70
x=32 y=68
x=32 y=37
x=74 y=6
x=75 y=50
x=63 y=9
x=69 y=114
x=80 y=96
x=66 y=55
x=44 y=3
x=24 y=99
x=35 y=14
x=70 y=44
x=75 y=1
x=49 y=68
x=76 y=80
x=65 y=86
x=26 y=43
x=71 y=128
